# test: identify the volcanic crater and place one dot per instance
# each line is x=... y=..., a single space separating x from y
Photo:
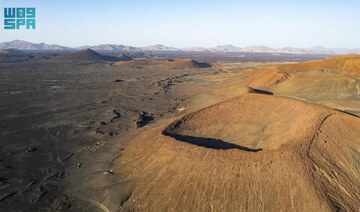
x=245 y=123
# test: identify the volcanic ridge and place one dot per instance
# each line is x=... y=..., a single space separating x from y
x=90 y=56
x=183 y=63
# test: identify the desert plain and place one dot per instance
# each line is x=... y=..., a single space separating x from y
x=86 y=131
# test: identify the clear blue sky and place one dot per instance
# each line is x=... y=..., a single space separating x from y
x=277 y=23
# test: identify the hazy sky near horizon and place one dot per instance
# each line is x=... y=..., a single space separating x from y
x=277 y=23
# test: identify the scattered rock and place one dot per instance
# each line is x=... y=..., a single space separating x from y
x=89 y=149
x=112 y=134
x=117 y=114
x=55 y=176
x=78 y=165
x=108 y=172
x=32 y=149
x=143 y=119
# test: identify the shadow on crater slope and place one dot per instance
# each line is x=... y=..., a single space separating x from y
x=209 y=142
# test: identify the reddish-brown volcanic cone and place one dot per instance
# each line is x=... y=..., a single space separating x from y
x=349 y=64
x=250 y=153
x=333 y=82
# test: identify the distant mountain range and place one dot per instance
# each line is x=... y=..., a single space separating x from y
x=24 y=45
x=108 y=47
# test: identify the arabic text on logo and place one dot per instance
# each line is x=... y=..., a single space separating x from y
x=17 y=18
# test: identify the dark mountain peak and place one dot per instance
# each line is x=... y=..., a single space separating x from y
x=90 y=55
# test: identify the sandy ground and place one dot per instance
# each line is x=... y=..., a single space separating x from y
x=58 y=121
x=255 y=152
x=273 y=138
x=63 y=125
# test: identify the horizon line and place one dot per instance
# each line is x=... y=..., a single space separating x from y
x=207 y=47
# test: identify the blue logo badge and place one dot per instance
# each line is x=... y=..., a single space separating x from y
x=17 y=18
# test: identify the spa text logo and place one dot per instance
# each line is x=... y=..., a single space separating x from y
x=17 y=18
